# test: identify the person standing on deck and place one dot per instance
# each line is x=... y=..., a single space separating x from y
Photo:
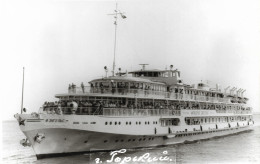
x=69 y=88
x=83 y=87
x=73 y=87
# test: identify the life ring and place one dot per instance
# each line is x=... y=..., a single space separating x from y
x=74 y=106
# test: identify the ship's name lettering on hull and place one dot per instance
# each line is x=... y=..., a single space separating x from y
x=55 y=120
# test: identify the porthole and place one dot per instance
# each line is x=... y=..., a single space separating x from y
x=85 y=141
x=143 y=139
x=129 y=140
x=140 y=139
x=116 y=141
x=139 y=123
x=122 y=140
x=105 y=141
x=133 y=139
x=136 y=122
x=126 y=123
x=106 y=123
x=119 y=123
x=148 y=122
x=110 y=123
x=130 y=123
x=115 y=123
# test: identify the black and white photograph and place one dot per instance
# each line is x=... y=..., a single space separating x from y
x=130 y=81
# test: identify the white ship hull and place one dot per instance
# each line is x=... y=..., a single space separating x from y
x=64 y=138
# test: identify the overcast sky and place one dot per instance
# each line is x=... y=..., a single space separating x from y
x=64 y=41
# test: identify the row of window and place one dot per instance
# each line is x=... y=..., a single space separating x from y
x=129 y=140
x=198 y=121
x=133 y=140
x=178 y=135
x=197 y=133
x=129 y=123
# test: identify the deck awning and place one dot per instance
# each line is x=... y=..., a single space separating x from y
x=125 y=79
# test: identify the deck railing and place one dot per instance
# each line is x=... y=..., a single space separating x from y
x=147 y=93
x=112 y=111
x=235 y=111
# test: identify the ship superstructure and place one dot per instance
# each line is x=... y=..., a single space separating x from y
x=141 y=108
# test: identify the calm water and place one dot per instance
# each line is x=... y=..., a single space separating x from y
x=240 y=148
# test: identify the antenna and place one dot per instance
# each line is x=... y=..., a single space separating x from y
x=115 y=23
x=143 y=66
x=22 y=93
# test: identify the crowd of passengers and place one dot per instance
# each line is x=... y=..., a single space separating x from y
x=119 y=87
x=138 y=105
x=122 y=87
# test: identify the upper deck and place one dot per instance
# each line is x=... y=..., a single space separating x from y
x=143 y=93
x=154 y=84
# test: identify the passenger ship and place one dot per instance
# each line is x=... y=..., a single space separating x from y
x=143 y=108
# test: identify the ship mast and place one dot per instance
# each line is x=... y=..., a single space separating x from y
x=115 y=23
x=22 y=93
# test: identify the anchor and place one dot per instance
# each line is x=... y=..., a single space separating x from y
x=39 y=137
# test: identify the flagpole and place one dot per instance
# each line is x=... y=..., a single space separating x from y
x=115 y=14
x=114 y=62
x=22 y=93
